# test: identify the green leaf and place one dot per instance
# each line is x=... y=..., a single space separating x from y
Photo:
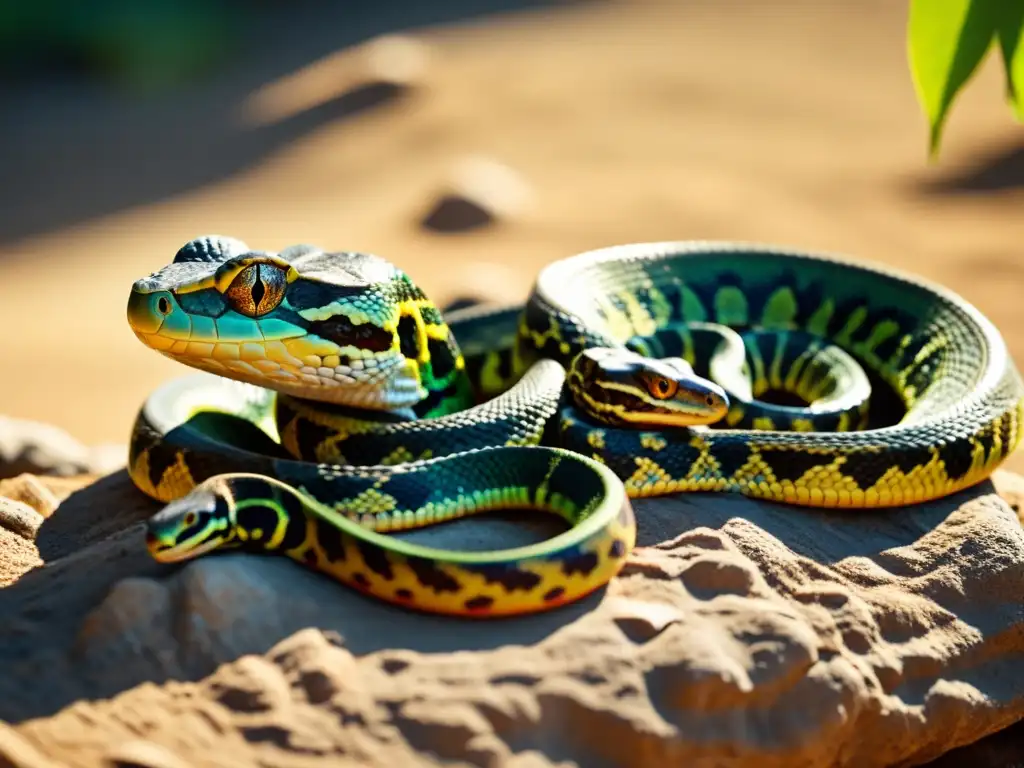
x=946 y=41
x=1011 y=37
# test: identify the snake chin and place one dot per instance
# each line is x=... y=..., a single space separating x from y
x=176 y=554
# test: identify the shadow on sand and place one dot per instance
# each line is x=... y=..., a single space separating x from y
x=71 y=152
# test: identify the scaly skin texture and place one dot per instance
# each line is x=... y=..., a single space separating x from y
x=907 y=394
x=956 y=397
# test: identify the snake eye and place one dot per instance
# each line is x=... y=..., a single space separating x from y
x=163 y=305
x=710 y=399
x=191 y=519
x=662 y=388
x=257 y=289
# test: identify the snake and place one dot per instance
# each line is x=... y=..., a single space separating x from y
x=335 y=407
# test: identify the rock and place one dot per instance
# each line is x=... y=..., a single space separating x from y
x=1011 y=487
x=30 y=491
x=352 y=80
x=25 y=502
x=396 y=59
x=479 y=193
x=17 y=552
x=17 y=752
x=143 y=754
x=738 y=634
x=43 y=449
x=1000 y=750
x=19 y=518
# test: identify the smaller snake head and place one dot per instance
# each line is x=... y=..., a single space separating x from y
x=618 y=386
x=197 y=523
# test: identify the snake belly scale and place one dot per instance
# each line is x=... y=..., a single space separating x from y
x=338 y=406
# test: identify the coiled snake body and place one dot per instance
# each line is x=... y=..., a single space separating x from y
x=343 y=406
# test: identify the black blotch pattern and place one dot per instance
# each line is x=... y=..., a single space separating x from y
x=376 y=559
x=863 y=333
x=479 y=603
x=842 y=313
x=884 y=350
x=295 y=532
x=258 y=516
x=731 y=455
x=429 y=575
x=408 y=337
x=617 y=549
x=582 y=563
x=510 y=578
x=431 y=401
x=986 y=438
x=865 y=468
x=957 y=458
x=309 y=557
x=765 y=344
x=475 y=364
x=808 y=300
x=403 y=594
x=553 y=594
x=360 y=579
x=442 y=357
x=907 y=459
x=792 y=465
x=160 y=460
x=332 y=543
x=308 y=435
x=1006 y=432
x=344 y=332
x=920 y=374
x=917 y=343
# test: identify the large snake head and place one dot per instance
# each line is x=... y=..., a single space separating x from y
x=199 y=522
x=621 y=387
x=346 y=328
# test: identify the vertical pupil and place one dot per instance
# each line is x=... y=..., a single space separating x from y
x=258 y=289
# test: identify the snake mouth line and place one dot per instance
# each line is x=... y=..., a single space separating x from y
x=178 y=554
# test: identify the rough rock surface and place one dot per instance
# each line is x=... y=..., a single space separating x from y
x=738 y=634
x=44 y=449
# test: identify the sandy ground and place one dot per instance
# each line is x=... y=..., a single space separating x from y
x=794 y=124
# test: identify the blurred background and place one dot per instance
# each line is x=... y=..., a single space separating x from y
x=468 y=141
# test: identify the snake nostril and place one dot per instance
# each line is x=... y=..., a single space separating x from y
x=163 y=305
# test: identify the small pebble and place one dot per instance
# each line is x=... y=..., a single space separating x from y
x=19 y=518
x=479 y=193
